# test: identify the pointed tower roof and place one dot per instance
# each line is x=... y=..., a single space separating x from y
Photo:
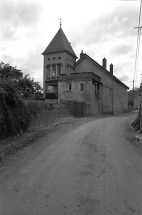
x=59 y=43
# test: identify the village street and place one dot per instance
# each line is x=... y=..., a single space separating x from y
x=83 y=169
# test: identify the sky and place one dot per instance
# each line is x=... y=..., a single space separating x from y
x=101 y=28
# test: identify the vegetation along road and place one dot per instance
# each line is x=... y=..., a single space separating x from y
x=90 y=167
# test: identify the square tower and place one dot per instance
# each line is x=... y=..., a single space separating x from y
x=59 y=58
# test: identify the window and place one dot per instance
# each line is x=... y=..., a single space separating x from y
x=68 y=86
x=59 y=69
x=81 y=87
x=49 y=58
x=59 y=57
x=53 y=70
x=96 y=88
x=48 y=70
x=67 y=70
x=53 y=58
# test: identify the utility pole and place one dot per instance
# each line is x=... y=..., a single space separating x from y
x=141 y=105
x=133 y=94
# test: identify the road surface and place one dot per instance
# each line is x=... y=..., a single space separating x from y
x=89 y=169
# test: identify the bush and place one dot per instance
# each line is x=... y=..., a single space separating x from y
x=14 y=114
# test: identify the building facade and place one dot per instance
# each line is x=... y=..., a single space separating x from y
x=82 y=81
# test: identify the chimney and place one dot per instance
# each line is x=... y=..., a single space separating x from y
x=104 y=62
x=81 y=54
x=111 y=68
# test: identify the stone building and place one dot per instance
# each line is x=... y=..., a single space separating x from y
x=82 y=81
x=59 y=58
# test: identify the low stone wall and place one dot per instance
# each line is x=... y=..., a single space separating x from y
x=49 y=112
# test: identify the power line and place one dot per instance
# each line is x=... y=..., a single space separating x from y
x=138 y=40
x=131 y=81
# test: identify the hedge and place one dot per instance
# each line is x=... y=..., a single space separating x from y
x=14 y=114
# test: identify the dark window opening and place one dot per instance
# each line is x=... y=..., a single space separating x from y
x=68 y=87
x=81 y=87
x=59 y=69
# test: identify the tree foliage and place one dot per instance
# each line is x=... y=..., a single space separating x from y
x=25 y=86
x=9 y=72
x=132 y=95
x=14 y=115
x=28 y=87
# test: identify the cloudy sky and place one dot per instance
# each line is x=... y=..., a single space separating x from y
x=101 y=28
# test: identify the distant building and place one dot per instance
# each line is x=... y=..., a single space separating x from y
x=82 y=81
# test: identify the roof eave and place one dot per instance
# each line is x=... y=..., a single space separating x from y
x=47 y=53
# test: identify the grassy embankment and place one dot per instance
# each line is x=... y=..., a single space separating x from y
x=43 y=116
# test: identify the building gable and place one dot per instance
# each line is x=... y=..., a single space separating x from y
x=85 y=63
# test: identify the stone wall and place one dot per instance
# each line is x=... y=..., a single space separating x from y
x=87 y=95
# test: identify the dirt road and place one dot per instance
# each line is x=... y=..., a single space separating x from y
x=84 y=169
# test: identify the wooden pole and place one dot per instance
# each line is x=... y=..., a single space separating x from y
x=141 y=105
x=133 y=94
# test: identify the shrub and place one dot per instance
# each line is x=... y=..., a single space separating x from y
x=14 y=114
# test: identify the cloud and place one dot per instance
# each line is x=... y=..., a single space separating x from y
x=15 y=15
x=122 y=50
x=117 y=24
x=31 y=64
x=124 y=78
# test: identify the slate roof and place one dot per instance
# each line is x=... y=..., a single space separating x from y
x=59 y=43
x=102 y=68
